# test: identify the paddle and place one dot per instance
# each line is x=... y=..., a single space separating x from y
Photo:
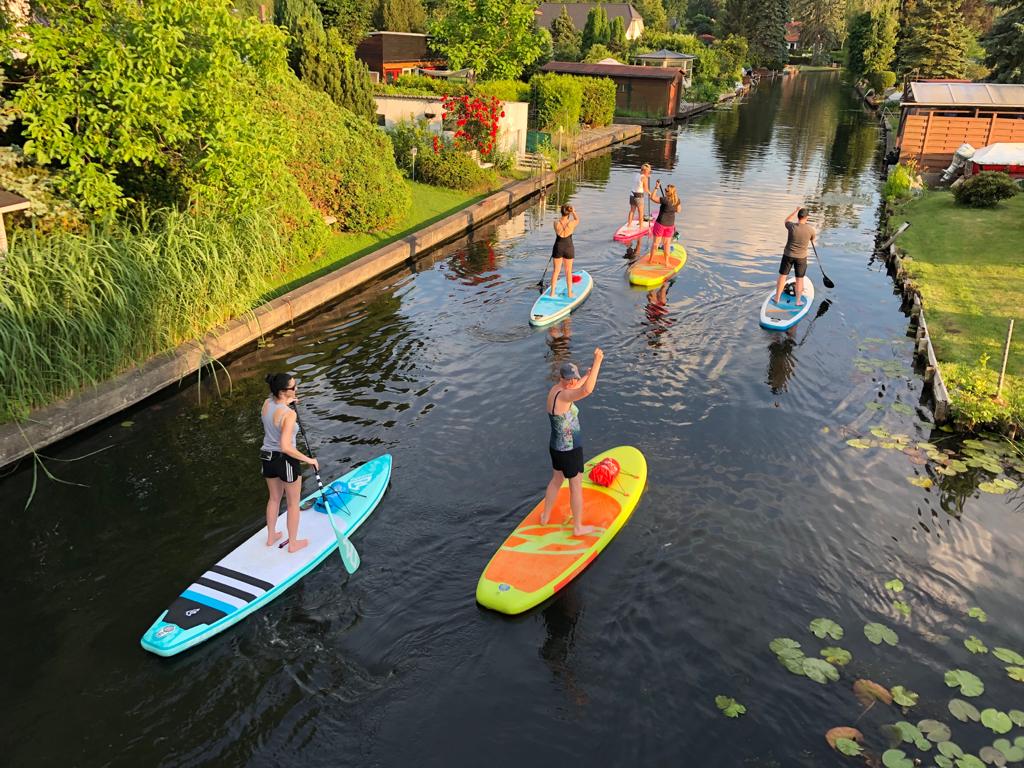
x=540 y=283
x=349 y=556
x=824 y=278
x=822 y=309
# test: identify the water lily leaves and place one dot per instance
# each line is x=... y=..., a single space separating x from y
x=1012 y=752
x=849 y=747
x=977 y=613
x=968 y=683
x=785 y=647
x=1007 y=655
x=127 y=424
x=904 y=697
x=969 y=761
x=880 y=433
x=902 y=607
x=843 y=733
x=794 y=664
x=894 y=585
x=868 y=692
x=902 y=408
x=974 y=645
x=729 y=706
x=992 y=488
x=1015 y=673
x=858 y=443
x=1007 y=483
x=907 y=732
x=934 y=730
x=1017 y=717
x=820 y=671
x=896 y=758
x=954 y=467
x=838 y=656
x=950 y=749
x=827 y=627
x=879 y=633
x=921 y=482
x=992 y=756
x=964 y=711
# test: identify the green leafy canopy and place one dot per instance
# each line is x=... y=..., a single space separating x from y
x=496 y=38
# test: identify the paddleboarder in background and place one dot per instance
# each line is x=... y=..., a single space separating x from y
x=563 y=249
x=665 y=225
x=281 y=459
x=799 y=235
x=565 y=446
x=641 y=187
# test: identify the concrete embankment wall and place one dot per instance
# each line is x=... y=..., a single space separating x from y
x=62 y=419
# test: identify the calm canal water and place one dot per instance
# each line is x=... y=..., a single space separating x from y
x=758 y=516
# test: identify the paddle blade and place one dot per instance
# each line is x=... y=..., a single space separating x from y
x=828 y=283
x=349 y=555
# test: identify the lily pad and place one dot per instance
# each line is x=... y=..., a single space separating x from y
x=879 y=633
x=894 y=585
x=868 y=692
x=950 y=749
x=992 y=756
x=838 y=656
x=858 y=443
x=1007 y=483
x=849 y=747
x=842 y=733
x=992 y=488
x=902 y=607
x=907 y=732
x=921 y=482
x=934 y=730
x=943 y=762
x=1007 y=655
x=974 y=645
x=826 y=627
x=968 y=683
x=794 y=664
x=729 y=706
x=1015 y=673
x=881 y=434
x=904 y=697
x=785 y=647
x=964 y=711
x=820 y=671
x=902 y=408
x=969 y=761
x=977 y=613
x=896 y=758
x=1011 y=752
x=127 y=424
x=1017 y=716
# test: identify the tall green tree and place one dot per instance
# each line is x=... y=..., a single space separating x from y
x=352 y=18
x=935 y=39
x=872 y=40
x=497 y=39
x=617 y=36
x=401 y=16
x=824 y=25
x=767 y=33
x=597 y=30
x=653 y=13
x=566 y=40
x=737 y=18
x=1004 y=44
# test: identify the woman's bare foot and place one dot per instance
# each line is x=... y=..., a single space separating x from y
x=273 y=538
x=583 y=530
x=298 y=544
x=544 y=517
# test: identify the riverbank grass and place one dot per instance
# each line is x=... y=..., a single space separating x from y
x=968 y=264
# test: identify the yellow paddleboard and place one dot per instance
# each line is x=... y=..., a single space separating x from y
x=536 y=560
x=642 y=272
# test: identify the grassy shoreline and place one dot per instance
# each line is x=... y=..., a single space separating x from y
x=968 y=265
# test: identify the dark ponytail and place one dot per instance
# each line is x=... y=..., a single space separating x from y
x=277 y=382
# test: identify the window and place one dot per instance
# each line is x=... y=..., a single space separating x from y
x=381 y=120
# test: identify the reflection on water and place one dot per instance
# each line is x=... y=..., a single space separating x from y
x=758 y=515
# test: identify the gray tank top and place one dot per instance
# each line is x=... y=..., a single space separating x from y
x=272 y=432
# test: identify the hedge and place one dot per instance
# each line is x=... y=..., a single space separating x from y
x=453 y=169
x=598 y=106
x=557 y=99
x=506 y=90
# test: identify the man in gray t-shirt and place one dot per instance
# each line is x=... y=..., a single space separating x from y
x=800 y=234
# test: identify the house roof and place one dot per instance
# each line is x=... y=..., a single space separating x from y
x=11 y=202
x=793 y=31
x=664 y=54
x=967 y=94
x=611 y=70
x=548 y=12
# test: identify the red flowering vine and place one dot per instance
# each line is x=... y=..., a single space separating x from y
x=476 y=121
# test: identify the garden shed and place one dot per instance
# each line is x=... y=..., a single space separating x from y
x=643 y=93
x=937 y=117
x=390 y=54
x=669 y=59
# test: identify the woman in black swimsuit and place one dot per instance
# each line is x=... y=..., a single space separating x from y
x=563 y=248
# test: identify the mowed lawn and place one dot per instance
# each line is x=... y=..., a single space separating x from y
x=429 y=204
x=968 y=264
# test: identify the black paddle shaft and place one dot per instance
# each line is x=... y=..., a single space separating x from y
x=824 y=278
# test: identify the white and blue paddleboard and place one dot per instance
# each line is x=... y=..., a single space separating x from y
x=547 y=308
x=786 y=314
x=254 y=574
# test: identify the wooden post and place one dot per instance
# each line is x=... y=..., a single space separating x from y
x=924 y=139
x=991 y=127
x=1006 y=355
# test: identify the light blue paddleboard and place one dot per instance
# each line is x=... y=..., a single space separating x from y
x=786 y=314
x=547 y=308
x=254 y=574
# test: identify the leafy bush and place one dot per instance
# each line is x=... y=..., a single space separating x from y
x=448 y=167
x=985 y=189
x=506 y=90
x=598 y=104
x=47 y=211
x=344 y=165
x=329 y=65
x=702 y=92
x=897 y=186
x=405 y=135
x=557 y=99
x=437 y=85
x=881 y=81
x=972 y=390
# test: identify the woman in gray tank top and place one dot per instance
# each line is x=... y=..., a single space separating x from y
x=281 y=459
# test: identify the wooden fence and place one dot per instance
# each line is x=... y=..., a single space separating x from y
x=932 y=140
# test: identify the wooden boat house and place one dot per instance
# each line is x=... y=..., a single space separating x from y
x=648 y=95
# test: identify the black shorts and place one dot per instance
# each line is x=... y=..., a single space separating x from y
x=788 y=262
x=567 y=252
x=636 y=199
x=569 y=463
x=281 y=466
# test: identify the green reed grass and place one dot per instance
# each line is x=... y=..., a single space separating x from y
x=77 y=309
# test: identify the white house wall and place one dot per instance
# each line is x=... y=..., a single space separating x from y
x=511 y=128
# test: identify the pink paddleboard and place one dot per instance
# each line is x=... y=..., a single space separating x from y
x=624 y=234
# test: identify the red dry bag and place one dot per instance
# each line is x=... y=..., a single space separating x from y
x=605 y=472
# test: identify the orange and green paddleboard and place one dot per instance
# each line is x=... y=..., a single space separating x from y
x=536 y=560
x=642 y=272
